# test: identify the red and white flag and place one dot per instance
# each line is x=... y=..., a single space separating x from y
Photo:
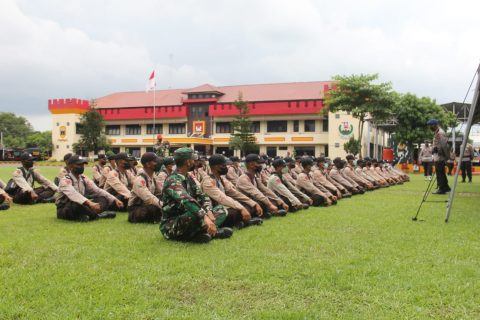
x=151 y=82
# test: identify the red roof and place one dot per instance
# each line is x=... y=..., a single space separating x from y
x=252 y=93
x=203 y=88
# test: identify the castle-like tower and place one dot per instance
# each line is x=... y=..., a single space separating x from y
x=65 y=119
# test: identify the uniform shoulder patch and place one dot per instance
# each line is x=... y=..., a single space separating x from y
x=142 y=182
x=68 y=181
x=115 y=174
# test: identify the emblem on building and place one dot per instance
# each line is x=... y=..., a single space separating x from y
x=345 y=129
x=198 y=127
x=63 y=132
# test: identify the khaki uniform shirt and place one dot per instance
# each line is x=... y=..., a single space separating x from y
x=468 y=154
x=75 y=190
x=98 y=176
x=319 y=178
x=440 y=142
x=254 y=189
x=276 y=184
x=233 y=174
x=62 y=172
x=362 y=173
x=2 y=187
x=426 y=154
x=349 y=172
x=305 y=182
x=119 y=182
x=336 y=175
x=145 y=191
x=32 y=175
x=216 y=191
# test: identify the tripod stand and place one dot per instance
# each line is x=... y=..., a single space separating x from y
x=431 y=183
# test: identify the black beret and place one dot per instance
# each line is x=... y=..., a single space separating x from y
x=337 y=159
x=147 y=157
x=307 y=161
x=235 y=159
x=320 y=159
x=26 y=156
x=122 y=156
x=168 y=161
x=76 y=159
x=288 y=160
x=67 y=156
x=217 y=159
x=102 y=156
x=278 y=163
x=253 y=158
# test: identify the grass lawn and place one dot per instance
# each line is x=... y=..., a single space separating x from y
x=362 y=259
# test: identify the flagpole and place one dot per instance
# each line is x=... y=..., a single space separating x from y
x=154 y=109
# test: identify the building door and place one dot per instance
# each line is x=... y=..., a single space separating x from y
x=271 y=151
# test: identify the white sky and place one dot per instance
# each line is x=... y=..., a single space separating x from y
x=87 y=48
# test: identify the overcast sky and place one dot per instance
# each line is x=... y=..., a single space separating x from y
x=90 y=48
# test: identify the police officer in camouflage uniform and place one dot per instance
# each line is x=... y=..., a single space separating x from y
x=187 y=213
x=71 y=201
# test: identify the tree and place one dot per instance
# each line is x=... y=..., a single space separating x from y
x=42 y=140
x=357 y=95
x=92 y=126
x=412 y=114
x=242 y=138
x=16 y=130
x=352 y=146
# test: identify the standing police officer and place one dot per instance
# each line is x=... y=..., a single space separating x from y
x=441 y=153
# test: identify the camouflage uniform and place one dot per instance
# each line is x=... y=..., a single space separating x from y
x=184 y=206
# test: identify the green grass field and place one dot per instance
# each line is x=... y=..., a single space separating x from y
x=362 y=259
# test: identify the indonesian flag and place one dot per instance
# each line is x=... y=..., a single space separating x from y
x=151 y=82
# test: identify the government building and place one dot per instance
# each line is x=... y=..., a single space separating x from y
x=286 y=118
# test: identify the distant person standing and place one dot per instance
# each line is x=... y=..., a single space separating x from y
x=451 y=162
x=441 y=153
x=425 y=158
x=466 y=164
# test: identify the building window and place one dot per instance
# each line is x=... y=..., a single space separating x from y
x=309 y=125
x=176 y=128
x=112 y=130
x=337 y=116
x=256 y=126
x=58 y=146
x=277 y=126
x=133 y=129
x=325 y=123
x=158 y=128
x=305 y=151
x=78 y=128
x=296 y=125
x=337 y=145
x=284 y=148
x=115 y=150
x=223 y=127
x=149 y=149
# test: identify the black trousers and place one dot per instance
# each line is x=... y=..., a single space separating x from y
x=442 y=180
x=449 y=167
x=144 y=213
x=466 y=167
x=22 y=197
x=74 y=211
x=124 y=200
x=2 y=199
x=427 y=168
